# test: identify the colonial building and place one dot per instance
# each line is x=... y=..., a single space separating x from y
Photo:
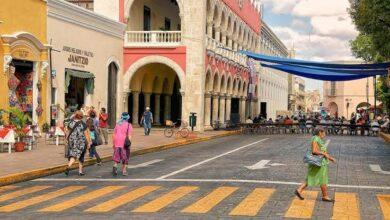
x=179 y=57
x=273 y=85
x=87 y=59
x=313 y=101
x=24 y=63
x=344 y=98
x=296 y=94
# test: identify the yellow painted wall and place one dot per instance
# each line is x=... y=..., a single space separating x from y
x=23 y=16
x=3 y=80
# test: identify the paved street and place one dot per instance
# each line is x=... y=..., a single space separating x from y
x=233 y=177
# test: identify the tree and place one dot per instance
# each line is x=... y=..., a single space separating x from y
x=372 y=19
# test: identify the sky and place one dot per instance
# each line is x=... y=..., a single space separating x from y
x=318 y=30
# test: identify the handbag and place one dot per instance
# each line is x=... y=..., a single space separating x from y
x=127 y=140
x=312 y=159
x=98 y=137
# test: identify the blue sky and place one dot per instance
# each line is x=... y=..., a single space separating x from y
x=318 y=30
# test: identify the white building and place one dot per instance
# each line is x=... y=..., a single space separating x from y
x=273 y=83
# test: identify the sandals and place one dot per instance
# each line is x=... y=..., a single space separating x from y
x=114 y=171
x=298 y=195
x=327 y=200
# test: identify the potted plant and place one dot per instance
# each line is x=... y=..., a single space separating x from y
x=45 y=127
x=18 y=119
x=1 y=117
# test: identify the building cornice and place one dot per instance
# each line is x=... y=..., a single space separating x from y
x=268 y=31
x=76 y=15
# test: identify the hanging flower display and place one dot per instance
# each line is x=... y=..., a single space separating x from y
x=39 y=85
x=39 y=110
x=13 y=99
x=13 y=82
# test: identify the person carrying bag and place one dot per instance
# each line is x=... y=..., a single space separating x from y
x=317 y=159
x=121 y=144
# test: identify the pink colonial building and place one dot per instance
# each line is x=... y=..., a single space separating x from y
x=179 y=57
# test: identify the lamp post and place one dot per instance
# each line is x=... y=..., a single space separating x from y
x=348 y=103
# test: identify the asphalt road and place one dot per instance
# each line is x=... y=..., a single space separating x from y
x=240 y=177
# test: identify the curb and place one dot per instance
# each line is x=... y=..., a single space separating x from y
x=385 y=136
x=34 y=174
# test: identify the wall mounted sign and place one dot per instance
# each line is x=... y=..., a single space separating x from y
x=77 y=57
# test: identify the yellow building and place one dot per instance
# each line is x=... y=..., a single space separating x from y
x=24 y=64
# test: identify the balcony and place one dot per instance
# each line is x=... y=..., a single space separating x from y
x=219 y=49
x=163 y=39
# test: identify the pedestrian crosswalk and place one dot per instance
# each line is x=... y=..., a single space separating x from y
x=153 y=199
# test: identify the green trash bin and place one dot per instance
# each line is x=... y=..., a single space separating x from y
x=192 y=120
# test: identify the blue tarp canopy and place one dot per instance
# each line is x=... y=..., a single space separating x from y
x=319 y=70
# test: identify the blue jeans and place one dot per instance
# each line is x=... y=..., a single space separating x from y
x=147 y=127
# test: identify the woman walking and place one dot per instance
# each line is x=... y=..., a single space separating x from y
x=123 y=130
x=318 y=176
x=78 y=142
x=93 y=133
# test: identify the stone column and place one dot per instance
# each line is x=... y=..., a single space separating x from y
x=228 y=107
x=135 y=107
x=243 y=108
x=240 y=107
x=230 y=43
x=217 y=33
x=215 y=107
x=224 y=39
x=147 y=99
x=125 y=101
x=207 y=109
x=167 y=107
x=222 y=107
x=210 y=30
x=157 y=109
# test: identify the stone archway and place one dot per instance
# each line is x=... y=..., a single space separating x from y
x=156 y=83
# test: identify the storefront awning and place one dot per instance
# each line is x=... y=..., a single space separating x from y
x=89 y=77
x=319 y=70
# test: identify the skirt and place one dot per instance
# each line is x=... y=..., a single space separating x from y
x=121 y=155
x=317 y=176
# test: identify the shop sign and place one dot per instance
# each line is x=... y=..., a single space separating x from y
x=77 y=57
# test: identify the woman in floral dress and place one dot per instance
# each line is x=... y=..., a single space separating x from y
x=78 y=142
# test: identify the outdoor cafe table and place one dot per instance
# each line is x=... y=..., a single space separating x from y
x=7 y=136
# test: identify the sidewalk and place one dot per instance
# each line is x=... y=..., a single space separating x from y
x=50 y=156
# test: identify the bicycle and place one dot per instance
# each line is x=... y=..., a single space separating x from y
x=180 y=128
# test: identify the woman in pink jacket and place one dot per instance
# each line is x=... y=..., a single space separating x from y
x=121 y=154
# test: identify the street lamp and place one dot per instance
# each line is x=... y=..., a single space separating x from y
x=348 y=103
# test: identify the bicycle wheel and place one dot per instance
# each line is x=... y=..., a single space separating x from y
x=184 y=132
x=168 y=132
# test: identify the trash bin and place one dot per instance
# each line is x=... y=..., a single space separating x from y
x=192 y=120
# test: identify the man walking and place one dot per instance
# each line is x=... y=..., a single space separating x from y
x=103 y=118
x=147 y=120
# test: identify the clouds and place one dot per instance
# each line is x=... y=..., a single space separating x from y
x=319 y=30
x=312 y=8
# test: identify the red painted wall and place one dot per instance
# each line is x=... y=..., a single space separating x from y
x=226 y=68
x=132 y=55
x=122 y=11
x=247 y=13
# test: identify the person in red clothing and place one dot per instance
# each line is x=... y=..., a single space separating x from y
x=103 y=118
